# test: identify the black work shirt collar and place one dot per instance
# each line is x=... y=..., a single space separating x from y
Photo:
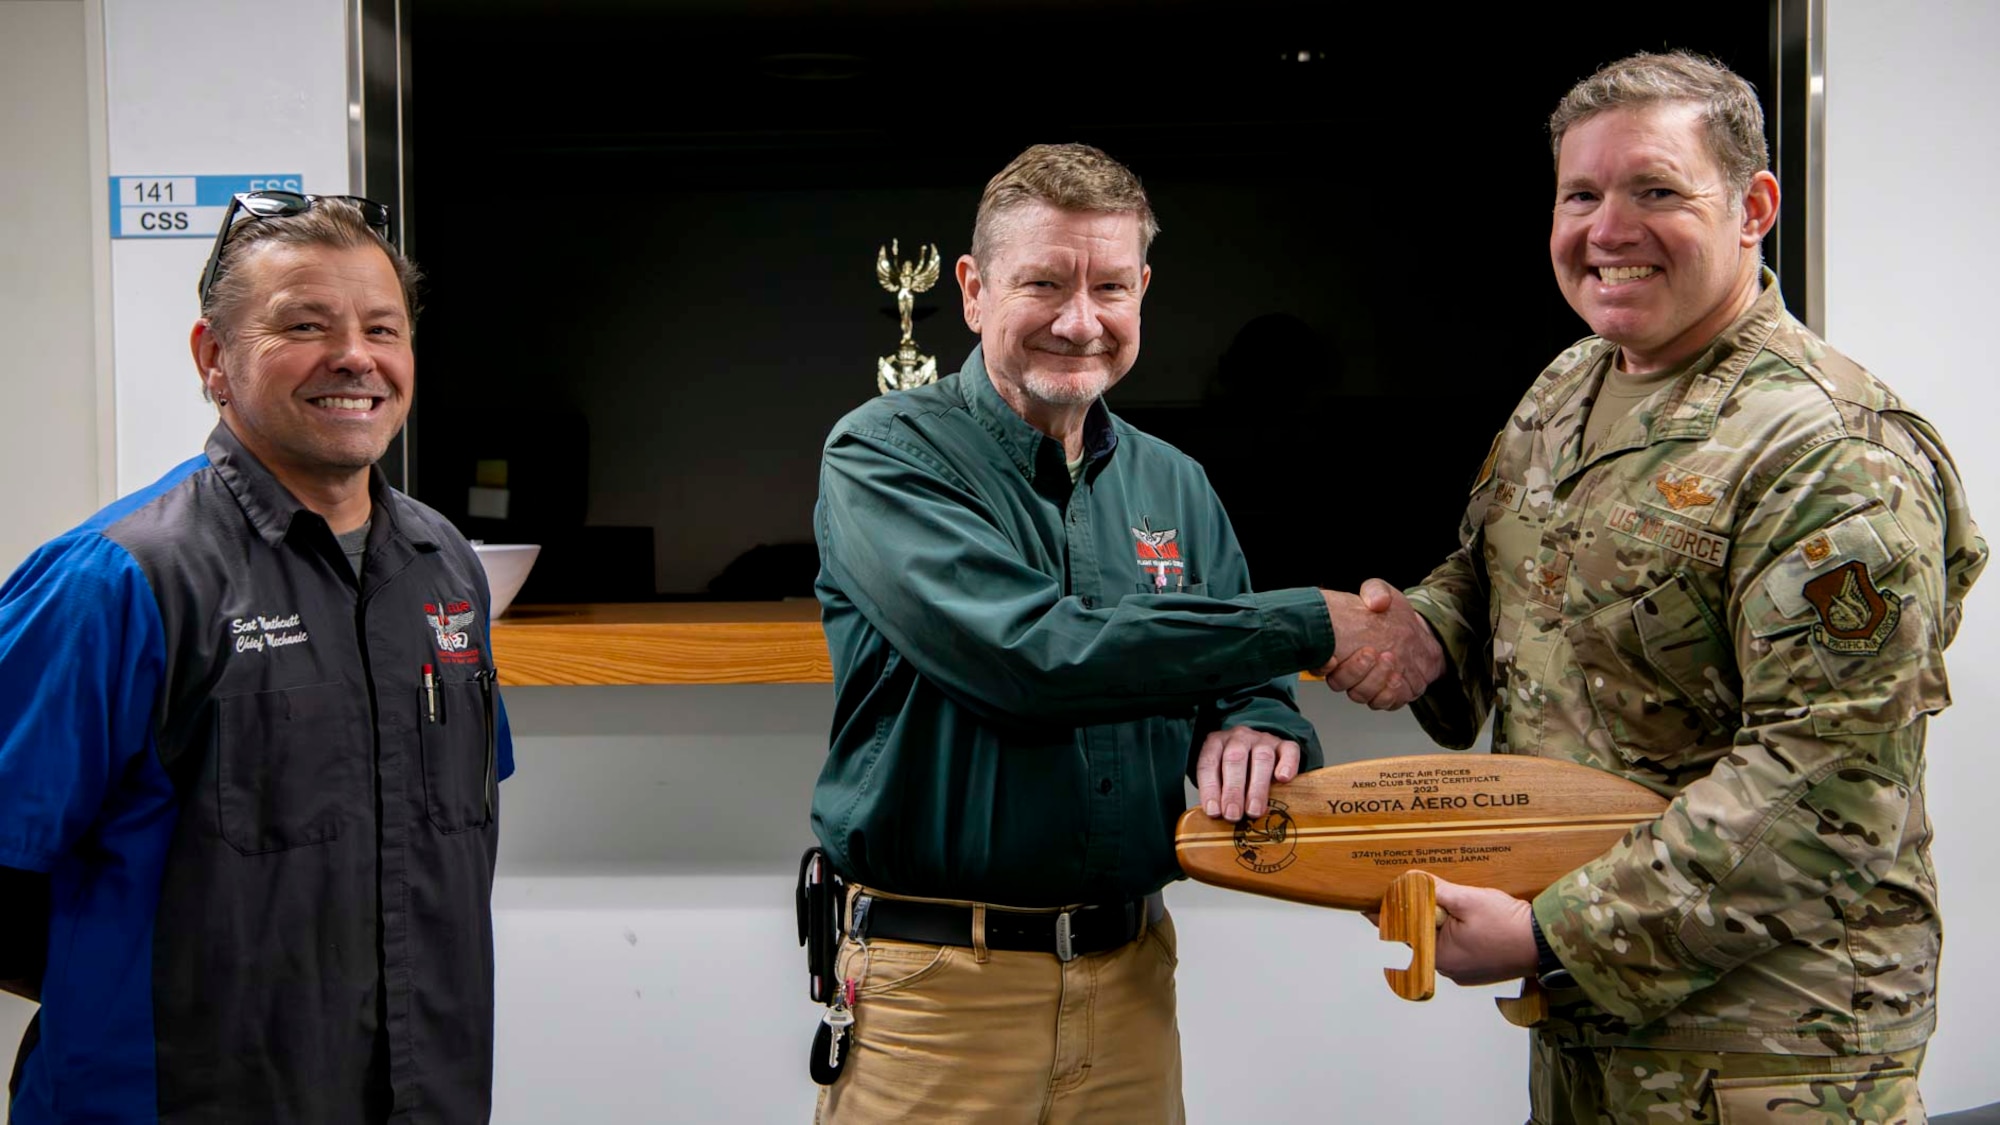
x=1030 y=449
x=276 y=513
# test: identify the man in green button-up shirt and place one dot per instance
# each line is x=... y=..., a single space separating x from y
x=1040 y=622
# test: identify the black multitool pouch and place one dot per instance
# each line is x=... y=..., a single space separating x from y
x=819 y=902
x=821 y=894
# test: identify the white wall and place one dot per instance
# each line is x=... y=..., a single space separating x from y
x=205 y=87
x=1913 y=113
x=49 y=433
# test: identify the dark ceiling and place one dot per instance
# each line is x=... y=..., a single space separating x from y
x=719 y=90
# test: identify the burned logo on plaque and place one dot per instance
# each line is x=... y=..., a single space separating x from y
x=1267 y=843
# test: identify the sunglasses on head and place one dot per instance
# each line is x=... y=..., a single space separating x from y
x=249 y=205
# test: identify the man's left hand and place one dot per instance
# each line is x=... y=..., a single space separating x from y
x=1236 y=767
x=1486 y=935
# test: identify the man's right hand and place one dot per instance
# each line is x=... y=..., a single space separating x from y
x=1384 y=654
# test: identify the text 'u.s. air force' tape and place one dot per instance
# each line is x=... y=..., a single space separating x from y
x=183 y=206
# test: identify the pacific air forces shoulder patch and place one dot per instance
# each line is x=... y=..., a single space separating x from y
x=1855 y=616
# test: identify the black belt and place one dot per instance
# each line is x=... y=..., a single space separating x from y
x=1065 y=934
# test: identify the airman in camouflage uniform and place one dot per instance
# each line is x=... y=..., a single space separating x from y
x=1740 y=599
x=1739 y=596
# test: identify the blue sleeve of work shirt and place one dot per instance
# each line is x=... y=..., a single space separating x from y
x=82 y=657
x=503 y=746
x=930 y=567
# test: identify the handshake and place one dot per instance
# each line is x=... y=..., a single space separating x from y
x=1385 y=653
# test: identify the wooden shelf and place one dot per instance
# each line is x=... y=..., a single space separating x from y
x=662 y=643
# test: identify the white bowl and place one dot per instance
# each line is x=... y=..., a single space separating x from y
x=507 y=566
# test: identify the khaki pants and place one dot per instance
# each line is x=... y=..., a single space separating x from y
x=1573 y=1085
x=946 y=1033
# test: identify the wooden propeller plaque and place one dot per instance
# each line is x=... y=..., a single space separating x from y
x=1343 y=836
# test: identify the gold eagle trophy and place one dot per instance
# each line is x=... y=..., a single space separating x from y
x=907 y=368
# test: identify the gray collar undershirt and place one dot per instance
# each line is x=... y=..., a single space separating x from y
x=354 y=544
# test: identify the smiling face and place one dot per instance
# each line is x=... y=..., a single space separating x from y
x=316 y=376
x=1056 y=306
x=1650 y=245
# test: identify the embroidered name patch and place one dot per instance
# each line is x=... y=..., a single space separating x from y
x=260 y=633
x=1670 y=535
x=1855 y=616
x=1690 y=496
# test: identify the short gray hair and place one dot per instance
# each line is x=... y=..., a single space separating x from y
x=334 y=223
x=1731 y=116
x=1069 y=177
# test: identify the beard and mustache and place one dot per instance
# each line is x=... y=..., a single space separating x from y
x=1071 y=389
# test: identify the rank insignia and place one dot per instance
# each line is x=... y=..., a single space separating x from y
x=1855 y=616
x=1817 y=549
x=1159 y=555
x=1548 y=579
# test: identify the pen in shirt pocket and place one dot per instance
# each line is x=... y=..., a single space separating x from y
x=430 y=694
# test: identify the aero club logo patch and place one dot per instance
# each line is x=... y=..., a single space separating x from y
x=451 y=622
x=1159 y=555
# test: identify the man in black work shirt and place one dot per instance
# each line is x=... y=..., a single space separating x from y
x=250 y=742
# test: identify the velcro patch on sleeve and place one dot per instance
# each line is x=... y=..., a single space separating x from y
x=1851 y=539
x=1486 y=466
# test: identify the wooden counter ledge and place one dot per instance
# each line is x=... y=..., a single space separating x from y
x=662 y=643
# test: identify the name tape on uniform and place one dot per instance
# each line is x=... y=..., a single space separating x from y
x=182 y=206
x=1701 y=546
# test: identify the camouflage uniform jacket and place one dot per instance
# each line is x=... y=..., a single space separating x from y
x=1740 y=599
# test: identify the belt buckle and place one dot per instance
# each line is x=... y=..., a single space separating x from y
x=1065 y=952
x=859 y=932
